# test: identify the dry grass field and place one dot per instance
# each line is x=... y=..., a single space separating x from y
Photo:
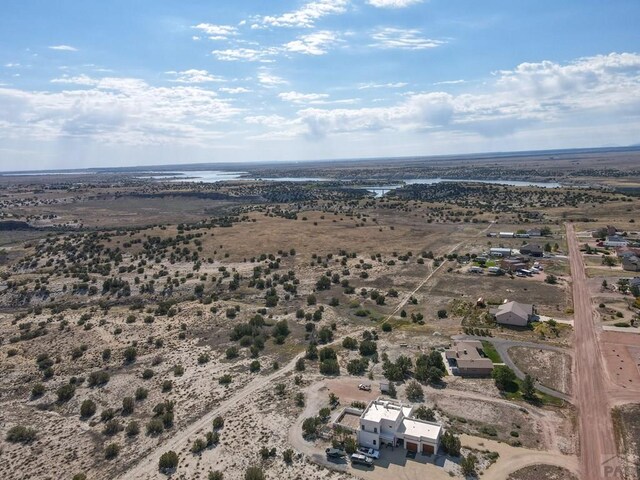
x=132 y=313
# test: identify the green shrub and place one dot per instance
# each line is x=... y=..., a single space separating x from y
x=87 y=409
x=168 y=461
x=112 y=451
x=21 y=434
x=66 y=392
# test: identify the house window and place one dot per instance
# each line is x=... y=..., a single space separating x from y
x=375 y=429
x=374 y=442
x=362 y=427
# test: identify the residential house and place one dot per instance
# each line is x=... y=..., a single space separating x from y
x=532 y=249
x=616 y=241
x=634 y=282
x=466 y=359
x=631 y=264
x=500 y=252
x=391 y=422
x=513 y=313
x=627 y=252
x=513 y=264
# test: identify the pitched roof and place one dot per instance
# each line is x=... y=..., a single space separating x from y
x=520 y=309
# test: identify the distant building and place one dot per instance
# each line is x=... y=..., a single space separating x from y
x=513 y=264
x=627 y=252
x=391 y=422
x=631 y=264
x=506 y=234
x=532 y=250
x=500 y=252
x=465 y=359
x=535 y=232
x=616 y=241
x=634 y=282
x=513 y=313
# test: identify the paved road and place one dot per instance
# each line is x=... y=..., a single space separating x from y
x=503 y=346
x=597 y=441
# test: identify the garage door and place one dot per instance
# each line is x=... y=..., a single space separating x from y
x=412 y=447
x=427 y=449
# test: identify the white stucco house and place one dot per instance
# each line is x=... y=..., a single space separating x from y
x=391 y=422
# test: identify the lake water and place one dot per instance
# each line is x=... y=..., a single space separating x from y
x=212 y=176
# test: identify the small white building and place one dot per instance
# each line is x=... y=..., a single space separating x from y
x=500 y=252
x=391 y=422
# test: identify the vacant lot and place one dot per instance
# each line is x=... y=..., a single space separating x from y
x=626 y=422
x=542 y=472
x=551 y=369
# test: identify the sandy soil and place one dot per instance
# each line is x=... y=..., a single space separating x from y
x=551 y=369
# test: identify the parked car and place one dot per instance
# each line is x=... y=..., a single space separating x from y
x=369 y=452
x=365 y=386
x=359 y=459
x=334 y=453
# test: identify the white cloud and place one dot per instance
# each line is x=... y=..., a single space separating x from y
x=194 y=76
x=216 y=32
x=77 y=80
x=305 y=16
x=114 y=110
x=393 y=3
x=450 y=82
x=532 y=93
x=12 y=65
x=63 y=48
x=246 y=54
x=269 y=80
x=297 y=97
x=316 y=43
x=234 y=90
x=365 y=86
x=406 y=39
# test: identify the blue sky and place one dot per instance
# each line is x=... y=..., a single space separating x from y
x=154 y=81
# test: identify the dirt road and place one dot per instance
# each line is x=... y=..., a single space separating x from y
x=597 y=441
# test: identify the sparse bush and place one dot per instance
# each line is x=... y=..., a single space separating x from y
x=98 y=379
x=128 y=405
x=87 y=409
x=37 y=391
x=254 y=473
x=218 y=422
x=155 y=426
x=66 y=392
x=414 y=391
x=141 y=393
x=168 y=461
x=132 y=429
x=112 y=427
x=21 y=434
x=112 y=451
x=217 y=475
x=130 y=354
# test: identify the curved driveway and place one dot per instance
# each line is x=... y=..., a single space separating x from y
x=503 y=346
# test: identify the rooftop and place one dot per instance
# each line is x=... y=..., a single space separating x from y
x=520 y=309
x=385 y=410
x=467 y=354
x=420 y=429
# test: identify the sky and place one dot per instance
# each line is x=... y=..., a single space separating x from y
x=145 y=82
